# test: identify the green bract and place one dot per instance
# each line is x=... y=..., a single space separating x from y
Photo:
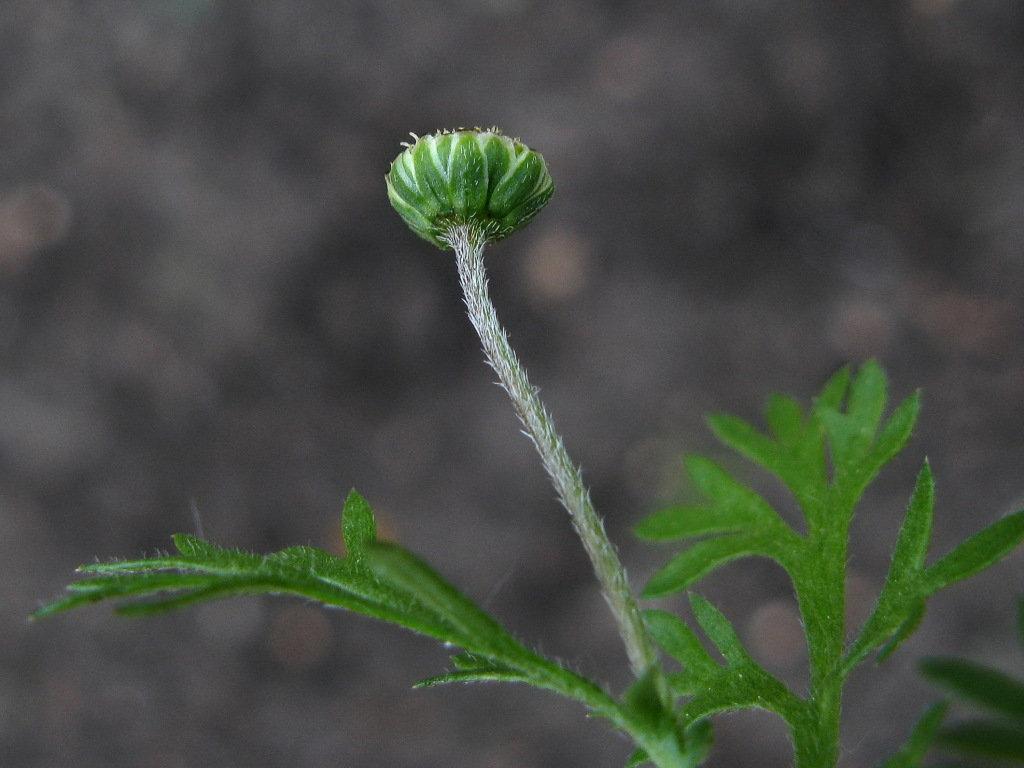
x=478 y=178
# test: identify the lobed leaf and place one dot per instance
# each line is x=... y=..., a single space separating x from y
x=846 y=428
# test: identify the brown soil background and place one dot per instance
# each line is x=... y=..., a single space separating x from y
x=205 y=299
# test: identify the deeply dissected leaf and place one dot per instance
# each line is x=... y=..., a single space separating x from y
x=832 y=394
x=844 y=431
x=383 y=581
x=915 y=534
x=744 y=524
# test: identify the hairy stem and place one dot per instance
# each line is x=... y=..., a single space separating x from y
x=565 y=476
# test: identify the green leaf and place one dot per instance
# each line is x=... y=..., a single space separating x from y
x=720 y=631
x=986 y=737
x=858 y=449
x=700 y=736
x=477 y=631
x=868 y=395
x=733 y=500
x=979 y=552
x=914 y=537
x=204 y=572
x=643 y=706
x=845 y=431
x=744 y=438
x=476 y=669
x=797 y=458
x=834 y=392
x=381 y=581
x=896 y=433
x=358 y=527
x=915 y=614
x=786 y=419
x=687 y=521
x=680 y=642
x=981 y=685
x=852 y=432
x=912 y=753
x=638 y=758
x=900 y=599
x=689 y=566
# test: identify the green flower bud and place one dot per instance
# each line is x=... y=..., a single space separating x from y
x=478 y=178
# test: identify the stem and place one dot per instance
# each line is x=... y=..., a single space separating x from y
x=820 y=583
x=468 y=243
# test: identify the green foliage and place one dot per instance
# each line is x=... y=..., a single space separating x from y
x=1000 y=733
x=376 y=579
x=385 y=581
x=826 y=457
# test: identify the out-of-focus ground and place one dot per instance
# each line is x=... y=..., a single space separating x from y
x=205 y=300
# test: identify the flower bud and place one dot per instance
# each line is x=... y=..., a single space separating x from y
x=479 y=178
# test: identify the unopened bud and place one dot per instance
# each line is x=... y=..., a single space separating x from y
x=478 y=178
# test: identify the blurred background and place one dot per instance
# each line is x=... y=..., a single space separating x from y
x=206 y=302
